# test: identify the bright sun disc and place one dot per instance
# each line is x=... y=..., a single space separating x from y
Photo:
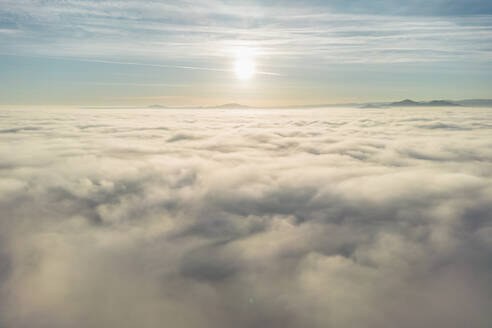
x=244 y=68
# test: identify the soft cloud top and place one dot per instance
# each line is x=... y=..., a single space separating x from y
x=258 y=218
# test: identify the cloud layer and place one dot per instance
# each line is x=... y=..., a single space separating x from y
x=257 y=218
x=206 y=32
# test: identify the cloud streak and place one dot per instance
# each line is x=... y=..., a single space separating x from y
x=213 y=218
x=210 y=31
x=194 y=68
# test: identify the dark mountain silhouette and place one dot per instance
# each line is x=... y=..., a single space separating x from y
x=403 y=103
x=445 y=103
x=369 y=106
x=406 y=103
x=224 y=106
x=475 y=102
x=230 y=106
x=433 y=103
x=157 y=106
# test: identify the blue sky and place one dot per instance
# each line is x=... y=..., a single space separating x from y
x=182 y=52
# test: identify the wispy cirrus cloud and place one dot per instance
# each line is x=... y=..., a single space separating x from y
x=209 y=31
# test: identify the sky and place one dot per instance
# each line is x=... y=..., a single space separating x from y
x=184 y=53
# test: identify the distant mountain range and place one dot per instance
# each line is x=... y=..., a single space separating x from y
x=433 y=103
x=157 y=106
x=403 y=103
x=231 y=106
x=224 y=106
x=475 y=102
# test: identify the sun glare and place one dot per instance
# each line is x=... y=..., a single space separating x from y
x=244 y=67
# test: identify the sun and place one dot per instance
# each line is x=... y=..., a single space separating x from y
x=244 y=67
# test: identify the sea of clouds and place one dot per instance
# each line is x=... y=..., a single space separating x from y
x=246 y=218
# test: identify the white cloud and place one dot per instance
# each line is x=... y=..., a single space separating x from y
x=219 y=218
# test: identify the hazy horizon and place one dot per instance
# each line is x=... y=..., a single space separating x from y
x=388 y=104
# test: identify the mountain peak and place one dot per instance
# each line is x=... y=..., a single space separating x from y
x=232 y=106
x=406 y=102
x=157 y=106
